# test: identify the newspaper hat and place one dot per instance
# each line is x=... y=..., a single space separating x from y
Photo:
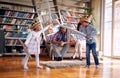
x=35 y=25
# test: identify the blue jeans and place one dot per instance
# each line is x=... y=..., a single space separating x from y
x=58 y=52
x=93 y=48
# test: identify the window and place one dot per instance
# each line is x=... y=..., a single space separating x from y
x=116 y=30
x=111 y=28
x=107 y=28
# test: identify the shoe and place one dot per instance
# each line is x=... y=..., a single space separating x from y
x=81 y=59
x=97 y=66
x=40 y=67
x=55 y=58
x=25 y=67
x=71 y=58
x=59 y=59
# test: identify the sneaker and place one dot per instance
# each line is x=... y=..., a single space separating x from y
x=40 y=67
x=81 y=59
x=25 y=67
x=71 y=58
x=97 y=66
x=59 y=59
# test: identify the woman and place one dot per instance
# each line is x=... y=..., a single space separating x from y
x=79 y=43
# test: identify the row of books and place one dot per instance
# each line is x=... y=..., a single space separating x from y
x=12 y=35
x=15 y=21
x=70 y=19
x=47 y=18
x=15 y=28
x=16 y=14
x=70 y=14
x=16 y=8
x=12 y=42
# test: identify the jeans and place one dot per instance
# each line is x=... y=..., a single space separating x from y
x=93 y=48
x=58 y=52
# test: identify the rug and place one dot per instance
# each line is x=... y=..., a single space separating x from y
x=63 y=63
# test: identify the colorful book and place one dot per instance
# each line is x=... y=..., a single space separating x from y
x=54 y=16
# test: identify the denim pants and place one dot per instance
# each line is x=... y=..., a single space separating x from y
x=94 y=52
x=58 y=52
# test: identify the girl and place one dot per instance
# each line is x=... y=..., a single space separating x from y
x=33 y=44
x=80 y=41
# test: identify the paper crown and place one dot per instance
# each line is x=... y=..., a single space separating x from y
x=86 y=18
x=35 y=25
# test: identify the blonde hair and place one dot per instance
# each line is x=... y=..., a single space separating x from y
x=35 y=25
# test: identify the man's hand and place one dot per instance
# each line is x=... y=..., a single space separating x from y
x=63 y=43
x=88 y=38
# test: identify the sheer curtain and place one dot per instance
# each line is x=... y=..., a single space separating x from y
x=116 y=30
x=108 y=28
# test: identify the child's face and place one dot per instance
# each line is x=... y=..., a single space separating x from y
x=85 y=24
x=38 y=28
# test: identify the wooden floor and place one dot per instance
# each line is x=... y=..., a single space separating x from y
x=11 y=67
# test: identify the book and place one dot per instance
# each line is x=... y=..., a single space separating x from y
x=2 y=12
x=13 y=21
x=54 y=16
x=1 y=19
x=68 y=13
x=31 y=15
x=63 y=13
x=72 y=13
x=55 y=22
x=23 y=29
x=29 y=22
x=7 y=27
x=70 y=19
x=64 y=18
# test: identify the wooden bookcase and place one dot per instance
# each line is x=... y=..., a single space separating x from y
x=47 y=13
x=71 y=10
x=15 y=19
x=62 y=11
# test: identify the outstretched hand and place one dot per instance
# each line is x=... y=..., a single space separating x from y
x=88 y=38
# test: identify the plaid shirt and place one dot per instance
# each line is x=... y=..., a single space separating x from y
x=90 y=31
x=58 y=36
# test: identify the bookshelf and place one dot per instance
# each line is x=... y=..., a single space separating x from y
x=15 y=19
x=61 y=12
x=71 y=10
x=47 y=14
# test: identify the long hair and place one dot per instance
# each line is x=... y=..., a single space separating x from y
x=78 y=26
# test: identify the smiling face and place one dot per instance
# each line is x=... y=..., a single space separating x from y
x=38 y=28
x=85 y=23
x=63 y=30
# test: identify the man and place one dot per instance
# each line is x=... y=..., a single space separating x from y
x=60 y=40
x=90 y=32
